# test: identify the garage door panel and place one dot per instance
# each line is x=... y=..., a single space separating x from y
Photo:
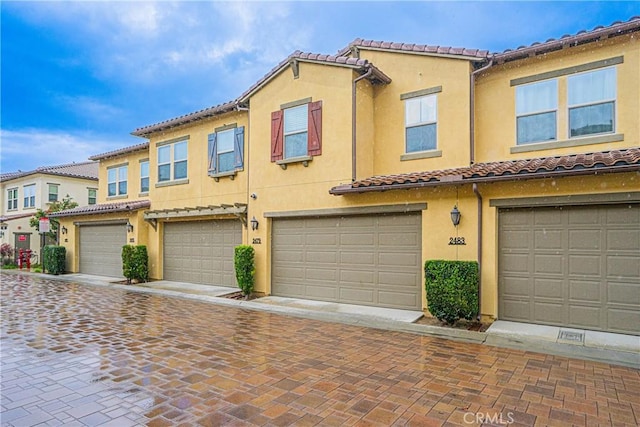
x=548 y=264
x=588 y=317
x=620 y=319
x=201 y=251
x=626 y=267
x=288 y=273
x=350 y=259
x=623 y=240
x=584 y=240
x=515 y=263
x=288 y=255
x=586 y=291
x=548 y=312
x=624 y=293
x=585 y=265
x=581 y=270
x=543 y=288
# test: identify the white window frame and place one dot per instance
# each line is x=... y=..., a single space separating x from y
x=118 y=181
x=605 y=100
x=295 y=132
x=95 y=196
x=143 y=177
x=57 y=192
x=421 y=121
x=12 y=199
x=29 y=192
x=173 y=162
x=538 y=112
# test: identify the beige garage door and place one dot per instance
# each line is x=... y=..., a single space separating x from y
x=201 y=251
x=571 y=266
x=101 y=249
x=368 y=260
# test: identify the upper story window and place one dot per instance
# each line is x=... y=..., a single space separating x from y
x=144 y=176
x=172 y=161
x=296 y=130
x=592 y=99
x=421 y=116
x=53 y=192
x=92 y=196
x=12 y=199
x=117 y=181
x=29 y=196
x=536 y=110
x=226 y=150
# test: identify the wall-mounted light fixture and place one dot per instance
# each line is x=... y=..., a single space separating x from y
x=455 y=216
x=129 y=227
x=63 y=230
x=254 y=223
x=3 y=226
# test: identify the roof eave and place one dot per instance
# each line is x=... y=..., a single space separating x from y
x=348 y=189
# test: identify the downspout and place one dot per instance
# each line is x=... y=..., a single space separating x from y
x=479 y=197
x=472 y=160
x=353 y=122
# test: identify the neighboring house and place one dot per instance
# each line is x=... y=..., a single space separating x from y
x=343 y=171
x=23 y=193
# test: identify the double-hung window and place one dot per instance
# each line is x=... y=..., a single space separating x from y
x=144 y=176
x=12 y=199
x=172 y=161
x=53 y=192
x=591 y=102
x=421 y=117
x=296 y=131
x=29 y=196
x=536 y=111
x=117 y=181
x=92 y=196
x=226 y=150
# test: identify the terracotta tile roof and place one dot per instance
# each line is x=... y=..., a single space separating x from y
x=617 y=28
x=475 y=54
x=544 y=167
x=362 y=65
x=187 y=118
x=121 y=151
x=85 y=170
x=5 y=218
x=104 y=208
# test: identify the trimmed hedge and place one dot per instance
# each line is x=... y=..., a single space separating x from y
x=452 y=289
x=245 y=268
x=53 y=259
x=135 y=263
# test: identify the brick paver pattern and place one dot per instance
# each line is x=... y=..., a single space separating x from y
x=76 y=354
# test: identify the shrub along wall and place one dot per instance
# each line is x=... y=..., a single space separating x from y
x=245 y=268
x=135 y=263
x=53 y=259
x=452 y=289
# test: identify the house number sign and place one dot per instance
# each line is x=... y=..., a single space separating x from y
x=257 y=241
x=456 y=241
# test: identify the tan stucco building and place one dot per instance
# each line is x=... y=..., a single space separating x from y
x=342 y=172
x=22 y=193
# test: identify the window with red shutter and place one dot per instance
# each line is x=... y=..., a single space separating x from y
x=289 y=130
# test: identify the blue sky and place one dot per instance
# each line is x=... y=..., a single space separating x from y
x=78 y=77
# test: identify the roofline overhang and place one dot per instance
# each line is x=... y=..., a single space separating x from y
x=140 y=204
x=348 y=189
x=117 y=153
x=434 y=54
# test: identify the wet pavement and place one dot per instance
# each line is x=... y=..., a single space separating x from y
x=75 y=354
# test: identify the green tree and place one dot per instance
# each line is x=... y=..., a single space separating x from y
x=60 y=205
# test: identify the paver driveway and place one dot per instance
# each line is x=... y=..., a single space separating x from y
x=75 y=354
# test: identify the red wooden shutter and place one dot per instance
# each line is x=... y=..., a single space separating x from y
x=277 y=123
x=315 y=129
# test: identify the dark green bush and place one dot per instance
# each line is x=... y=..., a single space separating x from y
x=452 y=289
x=245 y=268
x=135 y=263
x=53 y=259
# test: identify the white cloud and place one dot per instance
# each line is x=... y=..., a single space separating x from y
x=30 y=148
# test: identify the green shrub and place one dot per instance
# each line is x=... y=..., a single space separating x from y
x=135 y=263
x=452 y=289
x=53 y=259
x=245 y=268
x=10 y=265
